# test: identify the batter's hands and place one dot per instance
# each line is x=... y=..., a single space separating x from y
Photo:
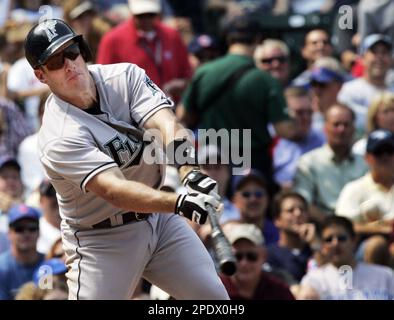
x=194 y=206
x=196 y=181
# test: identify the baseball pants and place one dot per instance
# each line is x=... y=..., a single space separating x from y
x=108 y=263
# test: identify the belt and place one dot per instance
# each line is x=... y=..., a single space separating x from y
x=127 y=217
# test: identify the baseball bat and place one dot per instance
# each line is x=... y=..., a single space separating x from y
x=221 y=245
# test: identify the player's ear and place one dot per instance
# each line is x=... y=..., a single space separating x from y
x=39 y=73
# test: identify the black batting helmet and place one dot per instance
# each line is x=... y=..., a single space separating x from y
x=48 y=36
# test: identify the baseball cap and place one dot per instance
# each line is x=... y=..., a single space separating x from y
x=243 y=25
x=245 y=231
x=380 y=140
x=253 y=175
x=201 y=42
x=85 y=6
x=55 y=265
x=22 y=211
x=325 y=75
x=373 y=39
x=144 y=6
x=9 y=161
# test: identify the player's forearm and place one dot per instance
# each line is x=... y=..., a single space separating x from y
x=135 y=196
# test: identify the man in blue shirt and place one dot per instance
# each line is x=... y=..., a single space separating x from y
x=18 y=265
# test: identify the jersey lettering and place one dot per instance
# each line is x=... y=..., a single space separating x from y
x=125 y=153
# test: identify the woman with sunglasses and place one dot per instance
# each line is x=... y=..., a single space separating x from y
x=99 y=156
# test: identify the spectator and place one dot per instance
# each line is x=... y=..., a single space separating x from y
x=252 y=200
x=297 y=236
x=50 y=219
x=322 y=173
x=380 y=116
x=17 y=265
x=202 y=48
x=83 y=17
x=32 y=170
x=342 y=278
x=327 y=77
x=13 y=128
x=151 y=45
x=359 y=93
x=250 y=282
x=11 y=188
x=287 y=152
x=369 y=200
x=317 y=44
x=273 y=56
x=232 y=93
x=24 y=87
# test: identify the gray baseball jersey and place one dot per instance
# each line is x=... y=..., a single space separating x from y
x=76 y=145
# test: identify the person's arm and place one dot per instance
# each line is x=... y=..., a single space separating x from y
x=165 y=121
x=112 y=186
x=375 y=227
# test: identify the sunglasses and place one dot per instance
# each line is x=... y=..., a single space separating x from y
x=56 y=62
x=280 y=59
x=249 y=256
x=256 y=194
x=30 y=228
x=340 y=238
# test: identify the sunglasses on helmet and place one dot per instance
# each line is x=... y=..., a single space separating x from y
x=57 y=61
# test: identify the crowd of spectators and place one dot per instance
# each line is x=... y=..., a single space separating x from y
x=313 y=216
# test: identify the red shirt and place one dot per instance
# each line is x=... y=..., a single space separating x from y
x=164 y=58
x=268 y=288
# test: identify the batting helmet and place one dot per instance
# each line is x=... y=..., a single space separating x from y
x=46 y=37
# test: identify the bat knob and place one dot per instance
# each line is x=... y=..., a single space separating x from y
x=228 y=268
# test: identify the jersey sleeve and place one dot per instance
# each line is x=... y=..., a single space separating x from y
x=146 y=98
x=75 y=160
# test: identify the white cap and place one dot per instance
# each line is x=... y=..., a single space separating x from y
x=144 y=6
x=245 y=231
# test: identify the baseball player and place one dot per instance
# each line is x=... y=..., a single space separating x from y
x=116 y=225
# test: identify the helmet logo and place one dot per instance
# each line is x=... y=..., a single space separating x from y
x=50 y=30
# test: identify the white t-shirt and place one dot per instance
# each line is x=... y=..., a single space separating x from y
x=365 y=282
x=364 y=195
x=21 y=78
x=48 y=236
x=32 y=171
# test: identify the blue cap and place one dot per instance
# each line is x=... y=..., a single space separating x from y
x=252 y=175
x=325 y=75
x=22 y=211
x=380 y=140
x=53 y=266
x=9 y=161
x=201 y=42
x=373 y=39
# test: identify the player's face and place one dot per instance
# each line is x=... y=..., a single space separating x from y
x=250 y=258
x=65 y=72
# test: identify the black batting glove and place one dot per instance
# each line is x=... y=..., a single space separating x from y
x=196 y=181
x=194 y=206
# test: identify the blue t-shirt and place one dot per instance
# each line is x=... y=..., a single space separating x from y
x=14 y=274
x=292 y=261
